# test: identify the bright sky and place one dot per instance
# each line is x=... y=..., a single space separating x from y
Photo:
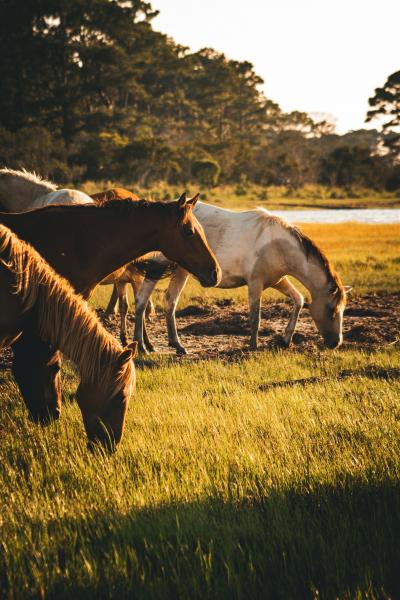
x=317 y=56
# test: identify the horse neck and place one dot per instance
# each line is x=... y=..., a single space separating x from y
x=307 y=269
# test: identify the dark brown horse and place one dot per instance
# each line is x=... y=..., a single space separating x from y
x=85 y=243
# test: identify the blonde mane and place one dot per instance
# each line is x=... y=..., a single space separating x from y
x=63 y=318
x=30 y=178
x=311 y=249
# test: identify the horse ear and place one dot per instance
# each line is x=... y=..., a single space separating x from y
x=348 y=288
x=126 y=355
x=133 y=346
x=192 y=201
x=182 y=200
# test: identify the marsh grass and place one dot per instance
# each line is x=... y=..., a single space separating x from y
x=218 y=490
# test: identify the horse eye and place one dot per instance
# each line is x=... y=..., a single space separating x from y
x=188 y=231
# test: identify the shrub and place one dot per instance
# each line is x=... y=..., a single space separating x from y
x=206 y=171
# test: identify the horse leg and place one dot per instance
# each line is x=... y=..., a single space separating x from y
x=142 y=298
x=123 y=303
x=136 y=283
x=112 y=305
x=255 y=290
x=172 y=295
x=36 y=369
x=287 y=288
x=150 y=310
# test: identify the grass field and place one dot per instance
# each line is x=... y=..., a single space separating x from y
x=220 y=489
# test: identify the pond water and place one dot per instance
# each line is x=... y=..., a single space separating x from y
x=342 y=215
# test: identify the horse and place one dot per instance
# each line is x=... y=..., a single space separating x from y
x=131 y=274
x=257 y=249
x=30 y=289
x=85 y=243
x=21 y=191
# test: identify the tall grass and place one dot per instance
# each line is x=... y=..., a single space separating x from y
x=219 y=489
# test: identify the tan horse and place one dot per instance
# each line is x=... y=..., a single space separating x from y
x=28 y=286
x=85 y=244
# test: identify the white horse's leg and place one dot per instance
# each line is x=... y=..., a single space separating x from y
x=255 y=289
x=287 y=288
x=142 y=299
x=172 y=295
x=112 y=305
x=122 y=292
x=136 y=283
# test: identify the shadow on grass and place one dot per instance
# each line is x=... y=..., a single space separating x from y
x=329 y=542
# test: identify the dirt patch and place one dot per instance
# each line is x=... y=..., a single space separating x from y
x=221 y=330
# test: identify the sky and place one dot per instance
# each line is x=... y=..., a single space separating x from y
x=317 y=56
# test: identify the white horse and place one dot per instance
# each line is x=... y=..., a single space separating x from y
x=21 y=191
x=257 y=249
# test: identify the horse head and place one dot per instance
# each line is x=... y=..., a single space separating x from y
x=188 y=245
x=36 y=370
x=104 y=407
x=327 y=311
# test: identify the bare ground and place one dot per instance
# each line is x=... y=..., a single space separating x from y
x=221 y=330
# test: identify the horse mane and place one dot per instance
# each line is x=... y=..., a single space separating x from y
x=129 y=204
x=30 y=177
x=311 y=250
x=63 y=318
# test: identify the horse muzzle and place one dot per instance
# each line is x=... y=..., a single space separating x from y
x=212 y=278
x=332 y=341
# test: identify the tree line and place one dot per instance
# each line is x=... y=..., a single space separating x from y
x=90 y=90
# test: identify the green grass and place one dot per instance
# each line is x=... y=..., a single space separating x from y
x=218 y=489
x=248 y=195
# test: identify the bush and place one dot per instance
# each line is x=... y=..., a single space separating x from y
x=206 y=171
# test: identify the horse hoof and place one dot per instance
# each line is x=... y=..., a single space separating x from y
x=181 y=351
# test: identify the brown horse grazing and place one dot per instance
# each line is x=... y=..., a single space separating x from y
x=85 y=243
x=29 y=288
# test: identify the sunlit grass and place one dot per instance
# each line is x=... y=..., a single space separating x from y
x=217 y=487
